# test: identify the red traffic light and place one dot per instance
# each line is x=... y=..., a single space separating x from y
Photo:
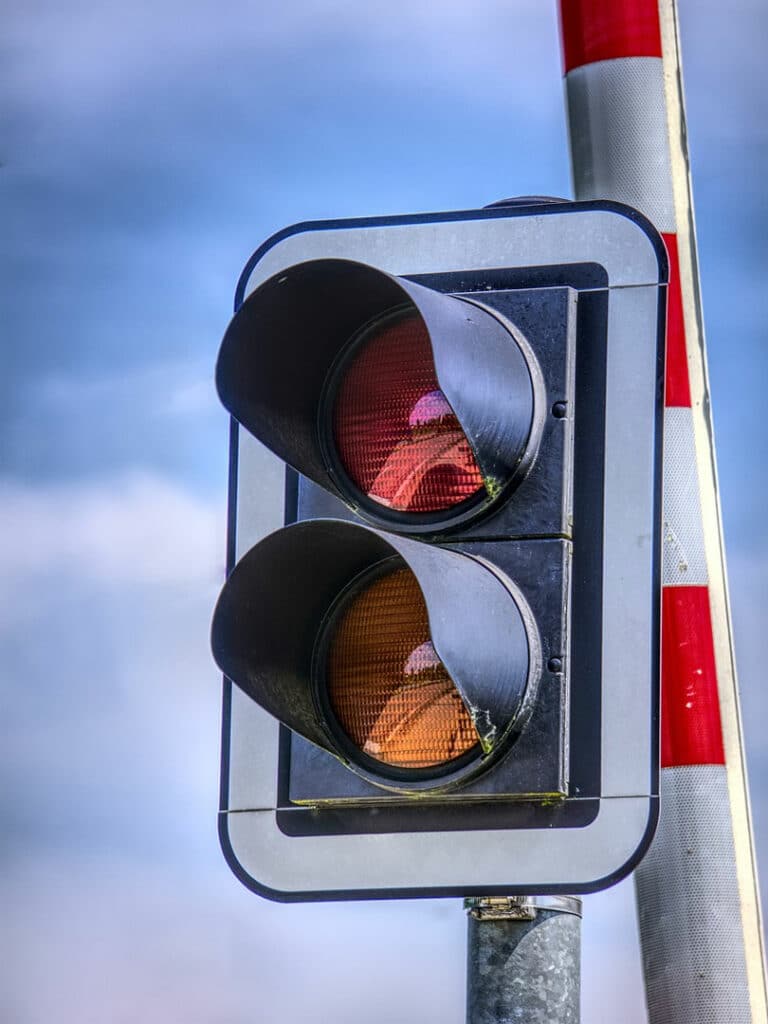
x=395 y=433
x=417 y=408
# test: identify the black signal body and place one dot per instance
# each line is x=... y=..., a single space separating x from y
x=540 y=461
x=481 y=473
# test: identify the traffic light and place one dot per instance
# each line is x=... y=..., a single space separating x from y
x=446 y=664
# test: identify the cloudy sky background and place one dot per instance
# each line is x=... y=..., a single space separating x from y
x=147 y=149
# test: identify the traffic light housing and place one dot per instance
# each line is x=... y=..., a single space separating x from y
x=458 y=628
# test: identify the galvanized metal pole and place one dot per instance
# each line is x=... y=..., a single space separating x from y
x=523 y=960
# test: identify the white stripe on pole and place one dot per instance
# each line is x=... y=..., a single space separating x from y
x=695 y=856
x=683 y=556
x=617 y=122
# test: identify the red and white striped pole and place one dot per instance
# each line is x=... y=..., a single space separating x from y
x=697 y=891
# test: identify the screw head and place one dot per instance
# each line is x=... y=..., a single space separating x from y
x=560 y=409
x=555 y=665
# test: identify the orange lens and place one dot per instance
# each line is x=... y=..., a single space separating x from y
x=396 y=435
x=386 y=685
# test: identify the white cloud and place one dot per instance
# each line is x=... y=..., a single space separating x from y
x=88 y=57
x=730 y=101
x=748 y=579
x=93 y=939
x=136 y=528
x=111 y=699
x=105 y=919
x=180 y=388
x=612 y=976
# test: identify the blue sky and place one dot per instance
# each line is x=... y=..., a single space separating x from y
x=147 y=149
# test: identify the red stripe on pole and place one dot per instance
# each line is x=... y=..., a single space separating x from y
x=678 y=389
x=690 y=707
x=605 y=29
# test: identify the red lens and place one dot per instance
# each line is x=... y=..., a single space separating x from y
x=396 y=435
